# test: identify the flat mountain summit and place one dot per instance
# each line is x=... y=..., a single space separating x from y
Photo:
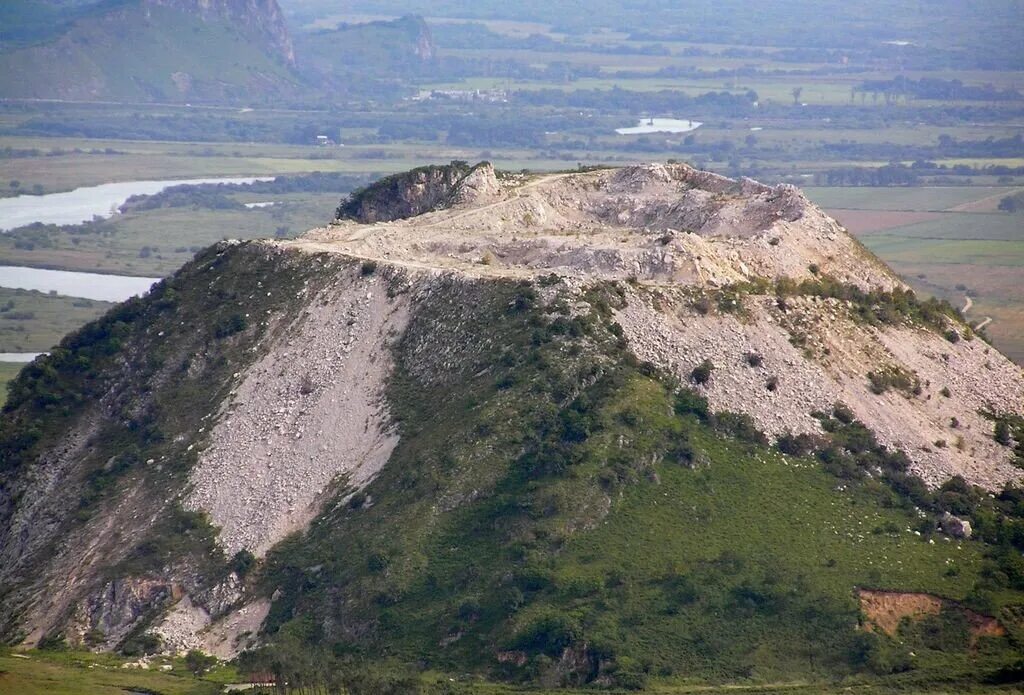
x=660 y=223
x=526 y=427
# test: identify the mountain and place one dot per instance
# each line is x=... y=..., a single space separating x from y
x=350 y=55
x=173 y=50
x=621 y=427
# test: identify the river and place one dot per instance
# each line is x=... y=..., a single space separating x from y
x=104 y=288
x=82 y=204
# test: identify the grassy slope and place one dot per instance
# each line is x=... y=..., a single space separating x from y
x=81 y=674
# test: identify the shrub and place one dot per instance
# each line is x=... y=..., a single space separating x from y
x=894 y=377
x=754 y=359
x=1002 y=432
x=701 y=374
x=772 y=384
x=691 y=403
x=842 y=412
x=235 y=323
x=952 y=336
x=199 y=663
x=141 y=645
x=368 y=268
x=796 y=444
x=548 y=634
x=242 y=562
x=945 y=392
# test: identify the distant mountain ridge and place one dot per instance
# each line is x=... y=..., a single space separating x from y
x=149 y=50
x=261 y=19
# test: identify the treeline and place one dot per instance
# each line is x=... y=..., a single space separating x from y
x=664 y=101
x=1013 y=202
x=898 y=174
x=938 y=89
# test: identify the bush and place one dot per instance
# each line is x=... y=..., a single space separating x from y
x=701 y=374
x=754 y=359
x=1002 y=432
x=141 y=645
x=199 y=663
x=549 y=634
x=894 y=377
x=235 y=323
x=691 y=403
x=842 y=412
x=242 y=562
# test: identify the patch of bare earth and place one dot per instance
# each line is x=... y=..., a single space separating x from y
x=885 y=610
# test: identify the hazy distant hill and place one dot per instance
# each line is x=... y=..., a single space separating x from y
x=146 y=49
x=383 y=49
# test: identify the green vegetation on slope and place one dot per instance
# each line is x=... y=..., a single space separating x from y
x=554 y=515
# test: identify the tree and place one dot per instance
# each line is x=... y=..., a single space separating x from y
x=797 y=91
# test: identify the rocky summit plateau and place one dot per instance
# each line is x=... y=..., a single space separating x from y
x=584 y=428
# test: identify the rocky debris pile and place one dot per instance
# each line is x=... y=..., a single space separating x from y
x=306 y=416
x=816 y=354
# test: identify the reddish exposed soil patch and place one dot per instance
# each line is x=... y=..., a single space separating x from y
x=886 y=609
x=875 y=221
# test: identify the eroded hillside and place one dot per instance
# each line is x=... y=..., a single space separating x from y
x=526 y=427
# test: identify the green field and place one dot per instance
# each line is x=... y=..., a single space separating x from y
x=922 y=198
x=154 y=243
x=8 y=370
x=35 y=322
